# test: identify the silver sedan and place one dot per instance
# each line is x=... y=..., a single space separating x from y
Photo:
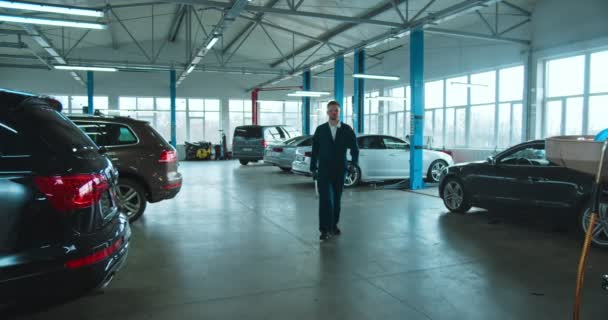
x=282 y=155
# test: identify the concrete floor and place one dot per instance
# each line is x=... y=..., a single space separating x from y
x=242 y=243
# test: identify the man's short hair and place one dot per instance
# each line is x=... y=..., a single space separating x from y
x=333 y=103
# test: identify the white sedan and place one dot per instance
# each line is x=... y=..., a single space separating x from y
x=381 y=158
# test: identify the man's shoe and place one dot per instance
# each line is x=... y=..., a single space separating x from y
x=336 y=231
x=324 y=236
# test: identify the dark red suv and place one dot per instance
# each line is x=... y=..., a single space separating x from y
x=147 y=164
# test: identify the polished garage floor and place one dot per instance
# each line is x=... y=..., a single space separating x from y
x=242 y=243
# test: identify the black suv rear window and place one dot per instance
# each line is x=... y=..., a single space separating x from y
x=54 y=129
x=12 y=143
x=248 y=132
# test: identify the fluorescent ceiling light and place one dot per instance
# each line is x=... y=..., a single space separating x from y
x=385 y=98
x=85 y=68
x=349 y=54
x=52 y=22
x=196 y=59
x=377 y=77
x=295 y=94
x=454 y=83
x=191 y=69
x=50 y=8
x=319 y=93
x=212 y=43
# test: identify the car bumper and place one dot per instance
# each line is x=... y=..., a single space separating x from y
x=301 y=168
x=55 y=270
x=167 y=190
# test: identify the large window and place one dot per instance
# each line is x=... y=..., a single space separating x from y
x=371 y=113
x=239 y=114
x=575 y=100
x=75 y=104
x=196 y=119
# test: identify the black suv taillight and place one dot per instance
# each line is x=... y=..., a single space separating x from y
x=73 y=192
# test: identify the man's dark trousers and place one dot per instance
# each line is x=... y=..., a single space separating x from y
x=329 y=157
x=330 y=195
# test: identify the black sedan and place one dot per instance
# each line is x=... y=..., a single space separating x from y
x=520 y=177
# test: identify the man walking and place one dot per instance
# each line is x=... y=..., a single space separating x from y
x=328 y=165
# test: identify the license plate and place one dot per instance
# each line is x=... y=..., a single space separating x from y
x=247 y=149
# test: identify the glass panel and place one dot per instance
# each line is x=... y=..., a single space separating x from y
x=212 y=126
x=294 y=106
x=504 y=125
x=373 y=104
x=517 y=126
x=180 y=105
x=565 y=77
x=196 y=104
x=456 y=93
x=78 y=102
x=483 y=87
x=449 y=127
x=511 y=84
x=212 y=105
x=599 y=70
x=271 y=106
x=553 y=118
x=235 y=105
x=408 y=97
x=401 y=128
x=428 y=123
x=574 y=116
x=373 y=126
x=127 y=103
x=482 y=126
x=145 y=103
x=163 y=124
x=163 y=104
x=100 y=102
x=461 y=125
x=268 y=118
x=197 y=130
x=182 y=134
x=433 y=94
x=598 y=113
x=438 y=129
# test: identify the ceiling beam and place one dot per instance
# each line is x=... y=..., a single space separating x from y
x=258 y=17
x=437 y=17
x=472 y=35
x=517 y=8
x=219 y=29
x=387 y=5
x=292 y=12
x=178 y=18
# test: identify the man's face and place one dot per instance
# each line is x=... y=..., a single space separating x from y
x=333 y=112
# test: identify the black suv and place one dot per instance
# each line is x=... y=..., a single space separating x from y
x=147 y=164
x=61 y=227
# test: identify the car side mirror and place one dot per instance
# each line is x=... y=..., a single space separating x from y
x=491 y=160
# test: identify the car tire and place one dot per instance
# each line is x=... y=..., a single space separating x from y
x=131 y=198
x=354 y=179
x=600 y=240
x=454 y=196
x=244 y=162
x=435 y=169
x=286 y=169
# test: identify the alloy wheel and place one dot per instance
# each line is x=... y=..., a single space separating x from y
x=129 y=199
x=600 y=232
x=437 y=169
x=453 y=195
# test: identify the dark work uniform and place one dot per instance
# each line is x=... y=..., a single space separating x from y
x=329 y=158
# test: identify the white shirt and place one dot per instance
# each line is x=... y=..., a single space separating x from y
x=334 y=129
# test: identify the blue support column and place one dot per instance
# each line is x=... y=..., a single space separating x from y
x=173 y=109
x=417 y=120
x=90 y=93
x=306 y=86
x=359 y=93
x=339 y=83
